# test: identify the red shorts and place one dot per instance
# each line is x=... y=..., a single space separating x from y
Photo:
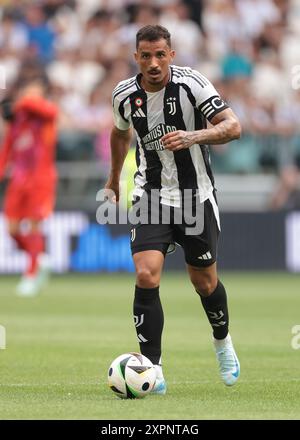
x=29 y=199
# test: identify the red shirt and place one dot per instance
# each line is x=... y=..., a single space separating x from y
x=30 y=141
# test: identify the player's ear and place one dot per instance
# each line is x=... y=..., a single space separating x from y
x=135 y=56
x=172 y=54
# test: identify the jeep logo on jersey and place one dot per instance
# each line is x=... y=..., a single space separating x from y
x=152 y=140
x=171 y=102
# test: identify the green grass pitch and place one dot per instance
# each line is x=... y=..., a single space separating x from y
x=60 y=345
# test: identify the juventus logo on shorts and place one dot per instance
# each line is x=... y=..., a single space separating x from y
x=132 y=234
x=171 y=102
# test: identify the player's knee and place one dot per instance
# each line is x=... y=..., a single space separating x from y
x=147 y=278
x=205 y=286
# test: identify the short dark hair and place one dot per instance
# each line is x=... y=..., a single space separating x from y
x=153 y=33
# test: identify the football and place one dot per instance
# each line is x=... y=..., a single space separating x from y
x=131 y=376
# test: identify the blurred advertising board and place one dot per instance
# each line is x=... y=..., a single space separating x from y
x=75 y=242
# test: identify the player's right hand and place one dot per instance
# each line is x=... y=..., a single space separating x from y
x=112 y=190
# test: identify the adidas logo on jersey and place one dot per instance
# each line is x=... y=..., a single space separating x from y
x=206 y=256
x=139 y=114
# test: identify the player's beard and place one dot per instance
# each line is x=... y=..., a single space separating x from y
x=158 y=81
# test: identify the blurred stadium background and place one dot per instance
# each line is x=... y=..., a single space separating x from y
x=250 y=49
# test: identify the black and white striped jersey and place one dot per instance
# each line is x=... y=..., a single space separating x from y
x=185 y=103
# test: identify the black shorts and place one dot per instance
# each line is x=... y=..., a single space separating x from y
x=199 y=240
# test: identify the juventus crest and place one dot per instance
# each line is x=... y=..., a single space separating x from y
x=171 y=102
x=132 y=234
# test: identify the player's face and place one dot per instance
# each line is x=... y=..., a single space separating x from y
x=154 y=58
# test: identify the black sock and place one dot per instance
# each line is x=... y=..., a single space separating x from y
x=215 y=307
x=149 y=322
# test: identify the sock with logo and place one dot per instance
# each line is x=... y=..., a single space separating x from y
x=149 y=322
x=215 y=306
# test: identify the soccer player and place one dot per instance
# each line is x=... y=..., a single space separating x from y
x=168 y=107
x=29 y=148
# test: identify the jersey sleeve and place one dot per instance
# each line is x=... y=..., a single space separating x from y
x=208 y=100
x=38 y=106
x=120 y=120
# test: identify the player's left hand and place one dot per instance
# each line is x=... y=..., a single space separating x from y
x=177 y=140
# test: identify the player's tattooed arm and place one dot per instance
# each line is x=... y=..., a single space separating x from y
x=226 y=127
x=120 y=143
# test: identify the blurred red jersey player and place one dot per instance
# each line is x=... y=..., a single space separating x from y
x=28 y=149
